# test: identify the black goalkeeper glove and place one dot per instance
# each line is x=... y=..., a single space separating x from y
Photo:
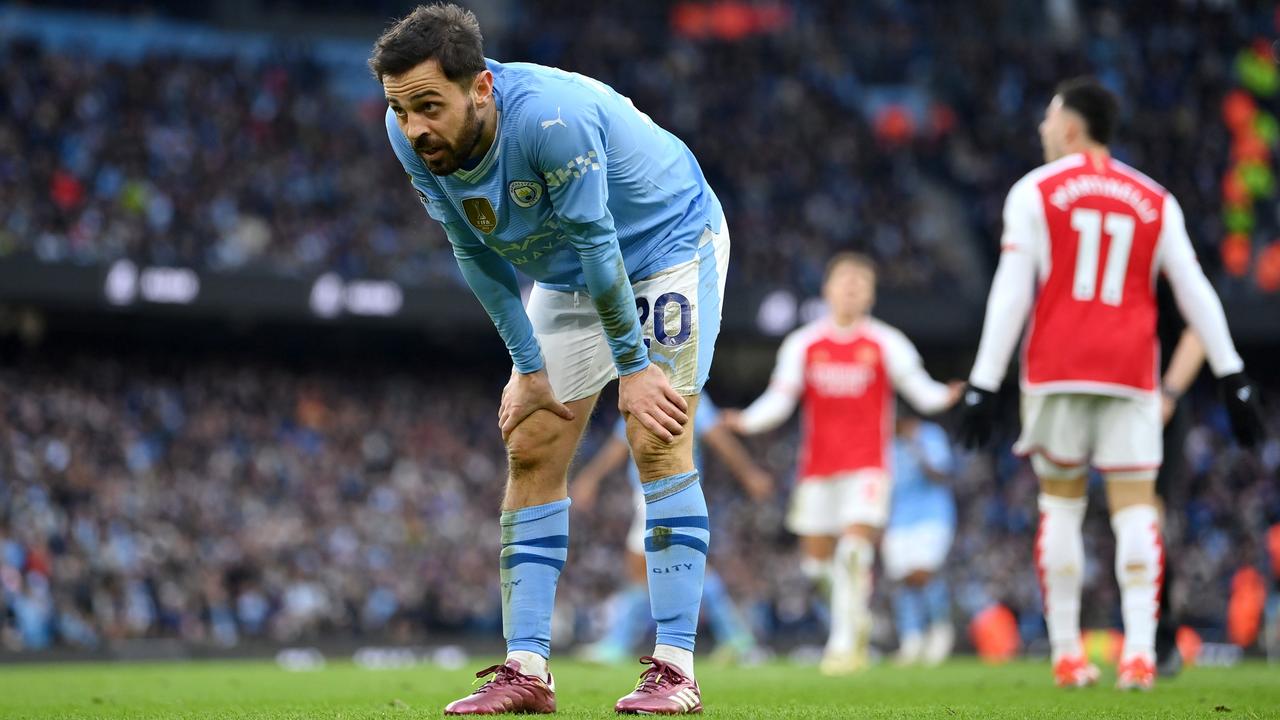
x=977 y=416
x=1244 y=406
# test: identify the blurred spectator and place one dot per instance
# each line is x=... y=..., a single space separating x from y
x=892 y=127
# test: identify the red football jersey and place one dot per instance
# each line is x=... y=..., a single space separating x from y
x=1093 y=328
x=845 y=378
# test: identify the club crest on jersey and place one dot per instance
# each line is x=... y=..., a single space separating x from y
x=525 y=193
x=867 y=355
x=480 y=214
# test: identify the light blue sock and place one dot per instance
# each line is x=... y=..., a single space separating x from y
x=675 y=552
x=726 y=624
x=535 y=542
x=909 y=609
x=937 y=600
x=630 y=617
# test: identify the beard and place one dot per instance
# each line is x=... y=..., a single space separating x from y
x=452 y=155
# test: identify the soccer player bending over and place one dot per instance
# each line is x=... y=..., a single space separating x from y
x=557 y=174
x=846 y=368
x=1089 y=233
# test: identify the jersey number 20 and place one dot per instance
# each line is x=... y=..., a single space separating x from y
x=1090 y=224
x=660 y=332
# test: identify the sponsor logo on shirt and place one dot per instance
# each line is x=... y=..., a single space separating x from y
x=840 y=379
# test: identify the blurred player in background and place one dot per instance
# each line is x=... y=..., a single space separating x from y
x=1090 y=233
x=922 y=524
x=555 y=173
x=629 y=613
x=846 y=368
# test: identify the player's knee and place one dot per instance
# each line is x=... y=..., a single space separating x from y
x=1066 y=477
x=530 y=448
x=657 y=458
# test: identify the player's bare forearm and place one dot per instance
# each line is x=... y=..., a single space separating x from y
x=753 y=479
x=1185 y=365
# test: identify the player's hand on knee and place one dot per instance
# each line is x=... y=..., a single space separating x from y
x=523 y=396
x=648 y=395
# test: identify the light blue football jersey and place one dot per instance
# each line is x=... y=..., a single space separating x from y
x=704 y=418
x=916 y=498
x=575 y=171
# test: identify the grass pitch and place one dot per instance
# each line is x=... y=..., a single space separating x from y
x=961 y=689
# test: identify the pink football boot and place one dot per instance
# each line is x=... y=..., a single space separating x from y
x=508 y=691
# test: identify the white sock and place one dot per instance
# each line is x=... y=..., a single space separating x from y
x=673 y=655
x=818 y=571
x=1139 y=572
x=531 y=663
x=850 y=593
x=1059 y=553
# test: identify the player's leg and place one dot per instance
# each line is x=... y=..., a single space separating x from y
x=817 y=553
x=677 y=534
x=811 y=518
x=863 y=509
x=910 y=616
x=1055 y=433
x=942 y=634
x=1129 y=457
x=934 y=542
x=680 y=311
x=1059 y=557
x=907 y=599
x=535 y=508
x=1139 y=564
x=535 y=529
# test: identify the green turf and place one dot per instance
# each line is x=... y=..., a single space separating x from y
x=961 y=689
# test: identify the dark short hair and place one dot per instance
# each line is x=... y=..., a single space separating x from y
x=848 y=257
x=443 y=31
x=1096 y=104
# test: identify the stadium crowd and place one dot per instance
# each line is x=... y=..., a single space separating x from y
x=224 y=500
x=891 y=127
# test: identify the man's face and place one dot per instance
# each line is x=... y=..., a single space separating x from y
x=437 y=115
x=1054 y=129
x=850 y=290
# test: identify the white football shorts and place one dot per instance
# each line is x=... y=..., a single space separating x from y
x=919 y=546
x=679 y=310
x=826 y=506
x=1113 y=434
